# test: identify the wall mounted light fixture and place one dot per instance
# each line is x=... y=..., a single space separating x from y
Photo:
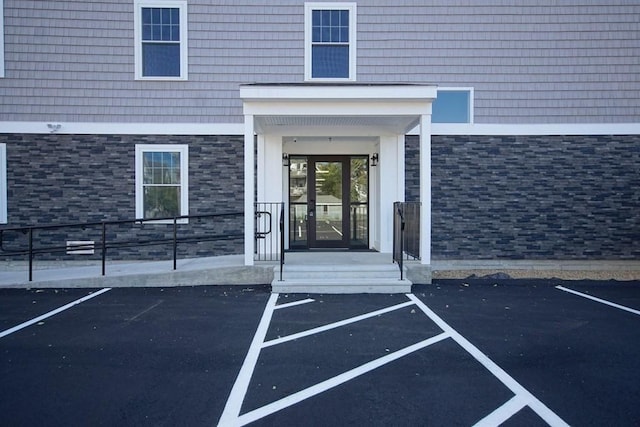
x=285 y=159
x=374 y=159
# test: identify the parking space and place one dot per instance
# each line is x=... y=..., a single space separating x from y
x=451 y=353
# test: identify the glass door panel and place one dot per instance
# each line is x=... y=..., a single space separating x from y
x=298 y=206
x=359 y=201
x=328 y=202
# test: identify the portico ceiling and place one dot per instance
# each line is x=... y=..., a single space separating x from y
x=322 y=109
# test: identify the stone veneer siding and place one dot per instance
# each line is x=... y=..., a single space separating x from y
x=58 y=179
x=532 y=197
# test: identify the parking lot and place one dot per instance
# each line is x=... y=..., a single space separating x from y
x=453 y=353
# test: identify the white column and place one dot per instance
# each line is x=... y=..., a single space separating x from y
x=388 y=165
x=249 y=189
x=425 y=189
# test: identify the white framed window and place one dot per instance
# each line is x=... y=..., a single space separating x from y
x=160 y=30
x=1 y=38
x=453 y=105
x=162 y=181
x=3 y=184
x=330 y=41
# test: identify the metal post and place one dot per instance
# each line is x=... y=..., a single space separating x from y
x=401 y=261
x=30 y=254
x=175 y=242
x=281 y=239
x=104 y=248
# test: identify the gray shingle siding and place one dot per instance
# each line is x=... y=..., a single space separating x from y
x=542 y=63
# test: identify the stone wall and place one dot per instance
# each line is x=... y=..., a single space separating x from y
x=60 y=179
x=532 y=197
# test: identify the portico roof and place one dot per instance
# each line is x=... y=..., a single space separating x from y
x=353 y=107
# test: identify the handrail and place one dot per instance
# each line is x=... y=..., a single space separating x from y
x=406 y=232
x=398 y=236
x=281 y=240
x=31 y=251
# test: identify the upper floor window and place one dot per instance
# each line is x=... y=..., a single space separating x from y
x=453 y=105
x=161 y=39
x=330 y=41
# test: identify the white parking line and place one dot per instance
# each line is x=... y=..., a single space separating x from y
x=523 y=394
x=293 y=304
x=503 y=413
x=52 y=313
x=236 y=397
x=323 y=386
x=600 y=300
x=335 y=325
x=231 y=414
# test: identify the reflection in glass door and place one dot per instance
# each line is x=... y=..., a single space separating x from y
x=298 y=203
x=326 y=209
x=328 y=202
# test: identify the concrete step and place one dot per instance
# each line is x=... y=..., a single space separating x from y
x=337 y=279
x=339 y=286
x=347 y=273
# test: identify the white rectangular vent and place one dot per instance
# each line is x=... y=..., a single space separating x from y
x=80 y=247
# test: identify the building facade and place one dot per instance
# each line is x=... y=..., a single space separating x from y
x=516 y=127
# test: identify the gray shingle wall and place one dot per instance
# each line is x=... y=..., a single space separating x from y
x=532 y=197
x=73 y=60
x=61 y=179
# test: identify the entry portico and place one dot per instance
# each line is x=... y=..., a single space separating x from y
x=337 y=121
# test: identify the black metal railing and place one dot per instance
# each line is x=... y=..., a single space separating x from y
x=269 y=232
x=102 y=236
x=406 y=233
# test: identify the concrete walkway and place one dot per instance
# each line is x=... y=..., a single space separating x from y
x=230 y=270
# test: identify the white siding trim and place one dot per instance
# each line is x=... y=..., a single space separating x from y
x=537 y=129
x=238 y=129
x=353 y=53
x=184 y=46
x=124 y=128
x=3 y=184
x=1 y=38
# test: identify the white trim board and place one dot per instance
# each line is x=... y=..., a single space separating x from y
x=87 y=128
x=238 y=128
x=534 y=129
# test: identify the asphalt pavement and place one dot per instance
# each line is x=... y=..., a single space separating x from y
x=485 y=352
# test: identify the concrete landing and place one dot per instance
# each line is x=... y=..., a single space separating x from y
x=339 y=273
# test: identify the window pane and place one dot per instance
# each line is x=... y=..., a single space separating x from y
x=330 y=61
x=161 y=24
x=359 y=224
x=161 y=168
x=335 y=18
x=161 y=59
x=317 y=34
x=344 y=18
x=326 y=18
x=166 y=16
x=359 y=180
x=451 y=107
x=161 y=202
x=330 y=26
x=146 y=15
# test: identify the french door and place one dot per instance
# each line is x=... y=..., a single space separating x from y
x=329 y=202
